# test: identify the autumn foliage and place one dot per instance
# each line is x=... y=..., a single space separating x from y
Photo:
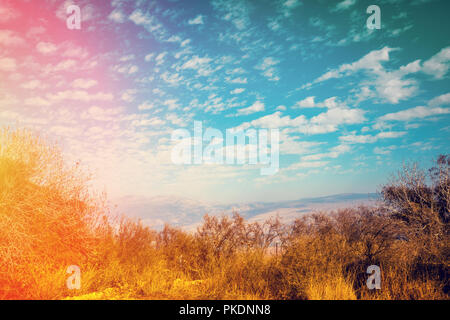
x=49 y=219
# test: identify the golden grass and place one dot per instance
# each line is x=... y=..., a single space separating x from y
x=49 y=220
x=332 y=287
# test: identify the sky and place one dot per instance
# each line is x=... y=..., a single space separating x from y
x=351 y=104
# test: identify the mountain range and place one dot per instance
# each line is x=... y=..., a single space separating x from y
x=187 y=213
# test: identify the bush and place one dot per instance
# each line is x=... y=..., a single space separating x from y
x=49 y=220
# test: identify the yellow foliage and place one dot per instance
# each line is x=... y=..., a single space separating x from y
x=49 y=220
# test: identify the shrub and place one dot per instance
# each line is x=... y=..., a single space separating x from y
x=49 y=220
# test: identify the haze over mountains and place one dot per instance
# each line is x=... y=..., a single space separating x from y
x=188 y=213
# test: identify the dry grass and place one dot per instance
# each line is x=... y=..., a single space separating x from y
x=49 y=220
x=331 y=287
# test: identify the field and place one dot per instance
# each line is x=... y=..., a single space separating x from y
x=50 y=220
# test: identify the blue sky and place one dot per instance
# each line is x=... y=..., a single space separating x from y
x=352 y=104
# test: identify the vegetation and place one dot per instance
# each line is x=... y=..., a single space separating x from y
x=49 y=220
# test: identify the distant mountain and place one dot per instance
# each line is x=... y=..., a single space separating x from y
x=188 y=213
x=156 y=211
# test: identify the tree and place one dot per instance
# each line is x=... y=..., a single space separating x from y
x=420 y=200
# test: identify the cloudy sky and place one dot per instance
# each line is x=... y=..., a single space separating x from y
x=351 y=103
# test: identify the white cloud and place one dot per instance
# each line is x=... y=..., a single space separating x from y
x=420 y=112
x=46 y=47
x=34 y=31
x=160 y=58
x=117 y=16
x=267 y=63
x=201 y=65
x=353 y=138
x=325 y=122
x=307 y=164
x=37 y=101
x=237 y=80
x=333 y=153
x=309 y=102
x=274 y=24
x=237 y=91
x=173 y=79
x=268 y=69
x=371 y=61
x=296 y=145
x=65 y=65
x=291 y=3
x=79 y=95
x=390 y=86
x=384 y=150
x=185 y=43
x=102 y=114
x=72 y=51
x=174 y=38
x=9 y=38
x=393 y=89
x=438 y=64
x=150 y=122
x=344 y=5
x=8 y=64
x=126 y=69
x=414 y=113
x=258 y=106
x=127 y=58
x=390 y=134
x=306 y=103
x=338 y=116
x=33 y=84
x=140 y=18
x=275 y=120
x=440 y=100
x=150 y=23
x=128 y=95
x=7 y=13
x=288 y=6
x=171 y=104
x=146 y=106
x=176 y=120
x=195 y=63
x=84 y=83
x=234 y=11
x=197 y=20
